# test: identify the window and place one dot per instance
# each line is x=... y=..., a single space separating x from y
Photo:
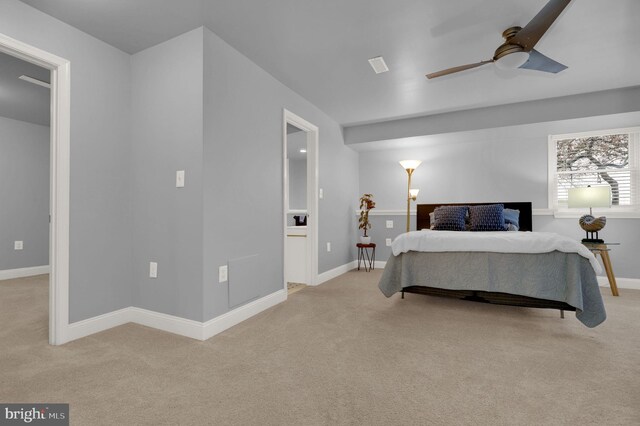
x=606 y=158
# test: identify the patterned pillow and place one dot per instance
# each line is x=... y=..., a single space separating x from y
x=487 y=218
x=450 y=218
x=512 y=217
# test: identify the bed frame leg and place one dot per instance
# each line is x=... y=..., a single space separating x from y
x=562 y=313
x=403 y=294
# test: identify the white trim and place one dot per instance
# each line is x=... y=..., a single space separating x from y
x=9 y=274
x=336 y=272
x=165 y=322
x=313 y=210
x=628 y=283
x=541 y=212
x=97 y=324
x=173 y=324
x=380 y=264
x=563 y=214
x=378 y=212
x=225 y=321
x=60 y=128
x=626 y=212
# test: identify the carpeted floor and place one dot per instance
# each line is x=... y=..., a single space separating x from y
x=340 y=353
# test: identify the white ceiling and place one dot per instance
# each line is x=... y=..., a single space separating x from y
x=320 y=48
x=21 y=100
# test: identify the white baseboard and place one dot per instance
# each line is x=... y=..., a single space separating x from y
x=9 y=274
x=223 y=322
x=97 y=324
x=380 y=264
x=629 y=283
x=336 y=272
x=170 y=323
x=165 y=322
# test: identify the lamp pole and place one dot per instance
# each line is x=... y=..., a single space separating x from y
x=409 y=172
x=410 y=166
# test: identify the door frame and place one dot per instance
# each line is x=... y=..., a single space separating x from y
x=60 y=162
x=312 y=192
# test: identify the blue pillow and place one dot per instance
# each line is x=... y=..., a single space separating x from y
x=487 y=217
x=450 y=218
x=512 y=217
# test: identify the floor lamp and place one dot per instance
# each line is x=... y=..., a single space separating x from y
x=412 y=194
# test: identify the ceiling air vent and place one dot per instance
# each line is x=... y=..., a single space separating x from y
x=378 y=64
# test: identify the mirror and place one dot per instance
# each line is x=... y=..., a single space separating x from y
x=297 y=166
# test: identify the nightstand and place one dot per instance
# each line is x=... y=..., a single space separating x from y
x=603 y=250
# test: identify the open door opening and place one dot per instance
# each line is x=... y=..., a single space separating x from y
x=300 y=190
x=57 y=217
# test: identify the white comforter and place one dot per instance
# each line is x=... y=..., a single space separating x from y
x=496 y=242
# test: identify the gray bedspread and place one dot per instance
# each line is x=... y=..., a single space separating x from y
x=563 y=277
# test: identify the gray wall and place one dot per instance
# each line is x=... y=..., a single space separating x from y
x=24 y=191
x=101 y=222
x=167 y=84
x=608 y=102
x=243 y=204
x=501 y=164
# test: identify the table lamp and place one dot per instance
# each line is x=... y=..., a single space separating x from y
x=591 y=196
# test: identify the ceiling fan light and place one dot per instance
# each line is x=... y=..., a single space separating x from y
x=512 y=61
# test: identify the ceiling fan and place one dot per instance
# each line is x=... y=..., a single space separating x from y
x=517 y=51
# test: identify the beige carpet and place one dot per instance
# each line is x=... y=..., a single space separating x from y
x=340 y=353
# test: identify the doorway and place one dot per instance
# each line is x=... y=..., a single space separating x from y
x=59 y=166
x=300 y=194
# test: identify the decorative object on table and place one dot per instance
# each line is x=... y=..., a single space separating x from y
x=412 y=194
x=591 y=196
x=366 y=204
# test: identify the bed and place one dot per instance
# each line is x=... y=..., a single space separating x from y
x=527 y=269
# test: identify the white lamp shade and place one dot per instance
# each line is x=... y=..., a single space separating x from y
x=414 y=193
x=410 y=164
x=512 y=61
x=590 y=196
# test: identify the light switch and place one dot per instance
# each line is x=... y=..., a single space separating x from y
x=223 y=274
x=180 y=179
x=17 y=245
x=388 y=240
x=328 y=246
x=389 y=224
x=321 y=193
x=153 y=270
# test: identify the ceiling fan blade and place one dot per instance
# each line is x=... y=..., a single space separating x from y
x=457 y=69
x=537 y=61
x=535 y=29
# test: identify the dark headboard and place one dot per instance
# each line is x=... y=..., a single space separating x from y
x=526 y=220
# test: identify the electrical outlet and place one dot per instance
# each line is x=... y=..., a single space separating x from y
x=388 y=241
x=389 y=224
x=223 y=274
x=321 y=193
x=180 y=179
x=17 y=245
x=328 y=246
x=153 y=270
